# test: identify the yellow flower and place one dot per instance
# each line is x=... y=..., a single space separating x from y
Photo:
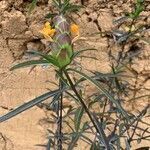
x=74 y=30
x=48 y=32
x=126 y=28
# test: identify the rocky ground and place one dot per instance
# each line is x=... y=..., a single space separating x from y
x=19 y=32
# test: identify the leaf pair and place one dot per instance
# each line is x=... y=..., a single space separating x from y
x=104 y=91
x=46 y=60
x=30 y=104
x=66 y=6
x=137 y=10
x=32 y=6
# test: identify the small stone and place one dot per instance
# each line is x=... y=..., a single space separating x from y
x=147 y=84
x=93 y=16
x=3 y=6
x=28 y=34
x=105 y=21
x=35 y=46
x=35 y=28
x=17 y=47
x=14 y=24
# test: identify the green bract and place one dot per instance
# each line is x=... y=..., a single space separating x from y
x=62 y=47
x=63 y=57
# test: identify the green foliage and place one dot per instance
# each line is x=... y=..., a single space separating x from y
x=66 y=6
x=63 y=57
x=123 y=36
x=30 y=63
x=63 y=7
x=28 y=105
x=104 y=91
x=139 y=7
x=32 y=6
x=97 y=118
x=76 y=136
x=77 y=118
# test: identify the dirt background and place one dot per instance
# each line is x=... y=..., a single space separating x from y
x=19 y=32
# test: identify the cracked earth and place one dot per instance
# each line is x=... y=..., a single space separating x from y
x=19 y=32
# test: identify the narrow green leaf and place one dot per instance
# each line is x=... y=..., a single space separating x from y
x=73 y=8
x=76 y=136
x=77 y=53
x=120 y=20
x=29 y=105
x=73 y=142
x=66 y=1
x=48 y=145
x=32 y=6
x=65 y=5
x=30 y=63
x=49 y=58
x=56 y=3
x=77 y=118
x=87 y=139
x=37 y=53
x=127 y=145
x=54 y=104
x=73 y=97
x=50 y=15
x=104 y=91
x=93 y=146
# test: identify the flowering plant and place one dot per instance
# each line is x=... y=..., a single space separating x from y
x=105 y=129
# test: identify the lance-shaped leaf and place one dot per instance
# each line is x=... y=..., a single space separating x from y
x=48 y=145
x=30 y=63
x=73 y=8
x=77 y=53
x=76 y=136
x=47 y=57
x=50 y=15
x=29 y=105
x=104 y=91
x=77 y=118
x=32 y=6
x=37 y=53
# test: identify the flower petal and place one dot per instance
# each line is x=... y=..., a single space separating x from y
x=74 y=29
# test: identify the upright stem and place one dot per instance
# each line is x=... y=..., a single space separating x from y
x=100 y=131
x=59 y=121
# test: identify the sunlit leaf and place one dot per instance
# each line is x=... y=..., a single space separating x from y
x=49 y=58
x=76 y=136
x=104 y=91
x=87 y=139
x=48 y=145
x=73 y=8
x=56 y=3
x=120 y=20
x=50 y=15
x=30 y=63
x=77 y=119
x=77 y=53
x=37 y=53
x=127 y=145
x=94 y=147
x=29 y=105
x=32 y=6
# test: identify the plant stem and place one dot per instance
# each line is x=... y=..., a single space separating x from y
x=60 y=123
x=59 y=114
x=100 y=131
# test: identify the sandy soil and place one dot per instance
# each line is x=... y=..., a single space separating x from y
x=19 y=32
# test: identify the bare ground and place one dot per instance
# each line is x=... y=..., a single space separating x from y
x=19 y=33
